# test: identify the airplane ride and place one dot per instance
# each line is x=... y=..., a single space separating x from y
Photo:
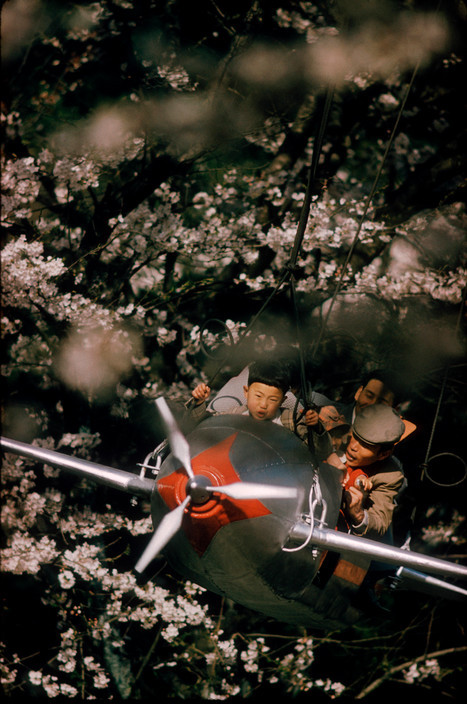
x=241 y=508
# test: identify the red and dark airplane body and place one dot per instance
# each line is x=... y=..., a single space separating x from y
x=235 y=548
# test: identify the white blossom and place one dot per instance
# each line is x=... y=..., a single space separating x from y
x=66 y=579
x=419 y=671
x=101 y=680
x=26 y=554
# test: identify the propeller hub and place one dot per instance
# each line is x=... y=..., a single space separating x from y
x=197 y=489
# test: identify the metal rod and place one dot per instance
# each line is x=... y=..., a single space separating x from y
x=342 y=542
x=117 y=478
x=427 y=580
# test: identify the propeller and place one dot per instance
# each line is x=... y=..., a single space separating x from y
x=250 y=490
x=198 y=489
x=167 y=528
x=177 y=441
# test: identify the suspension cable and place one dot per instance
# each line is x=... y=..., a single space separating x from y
x=442 y=389
x=287 y=271
x=289 y=268
x=317 y=147
x=366 y=208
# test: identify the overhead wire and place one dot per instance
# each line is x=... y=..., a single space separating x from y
x=444 y=382
x=288 y=270
x=365 y=209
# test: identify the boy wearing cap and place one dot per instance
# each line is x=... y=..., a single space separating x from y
x=336 y=425
x=375 y=432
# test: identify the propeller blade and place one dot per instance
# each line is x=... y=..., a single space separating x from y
x=165 y=531
x=251 y=490
x=178 y=443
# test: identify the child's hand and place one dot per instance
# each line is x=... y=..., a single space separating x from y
x=364 y=483
x=334 y=460
x=201 y=392
x=311 y=417
x=353 y=505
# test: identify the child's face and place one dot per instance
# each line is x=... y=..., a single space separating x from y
x=263 y=401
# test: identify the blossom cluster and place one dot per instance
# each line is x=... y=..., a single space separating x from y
x=443 y=532
x=421 y=671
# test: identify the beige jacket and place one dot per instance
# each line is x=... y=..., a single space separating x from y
x=387 y=478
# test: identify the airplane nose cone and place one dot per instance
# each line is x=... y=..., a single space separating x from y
x=197 y=489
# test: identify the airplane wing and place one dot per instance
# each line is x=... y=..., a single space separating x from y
x=335 y=540
x=116 y=478
x=406 y=578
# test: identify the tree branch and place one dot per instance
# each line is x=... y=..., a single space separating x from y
x=435 y=654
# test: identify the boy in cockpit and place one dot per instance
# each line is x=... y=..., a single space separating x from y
x=369 y=458
x=264 y=394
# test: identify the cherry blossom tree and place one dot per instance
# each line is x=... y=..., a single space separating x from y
x=157 y=161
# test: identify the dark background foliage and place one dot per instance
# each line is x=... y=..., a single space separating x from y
x=57 y=77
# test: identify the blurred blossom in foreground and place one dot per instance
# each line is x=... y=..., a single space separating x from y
x=269 y=66
x=94 y=361
x=375 y=49
x=105 y=131
x=379 y=49
x=188 y=122
x=21 y=20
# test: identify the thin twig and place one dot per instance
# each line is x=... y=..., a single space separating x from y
x=147 y=657
x=397 y=668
